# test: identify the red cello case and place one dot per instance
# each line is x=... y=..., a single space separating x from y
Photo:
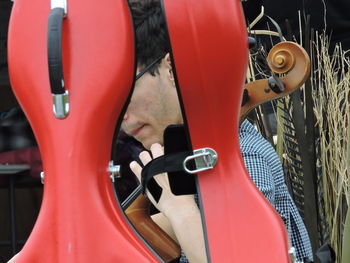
x=210 y=51
x=79 y=220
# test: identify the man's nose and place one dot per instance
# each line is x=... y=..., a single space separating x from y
x=126 y=116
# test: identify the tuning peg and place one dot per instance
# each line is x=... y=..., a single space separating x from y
x=276 y=84
x=245 y=98
x=251 y=42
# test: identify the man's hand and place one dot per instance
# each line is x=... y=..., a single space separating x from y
x=168 y=202
x=181 y=210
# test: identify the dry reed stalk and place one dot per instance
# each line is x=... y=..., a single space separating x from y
x=346 y=234
x=331 y=88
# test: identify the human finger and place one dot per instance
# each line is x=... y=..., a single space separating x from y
x=145 y=157
x=162 y=179
x=136 y=169
x=157 y=150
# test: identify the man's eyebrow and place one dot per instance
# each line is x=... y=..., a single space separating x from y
x=145 y=69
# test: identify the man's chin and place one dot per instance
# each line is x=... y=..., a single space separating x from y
x=147 y=143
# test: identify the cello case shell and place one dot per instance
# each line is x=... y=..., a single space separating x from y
x=210 y=51
x=79 y=220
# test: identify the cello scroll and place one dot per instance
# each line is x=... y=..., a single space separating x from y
x=287 y=58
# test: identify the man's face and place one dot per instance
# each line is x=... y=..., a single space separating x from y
x=153 y=106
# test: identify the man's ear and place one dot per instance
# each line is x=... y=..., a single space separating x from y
x=169 y=67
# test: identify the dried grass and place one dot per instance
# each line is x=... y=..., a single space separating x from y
x=331 y=88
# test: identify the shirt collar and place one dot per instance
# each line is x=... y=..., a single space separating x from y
x=246 y=128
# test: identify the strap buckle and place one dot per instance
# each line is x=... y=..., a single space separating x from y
x=205 y=159
x=59 y=4
x=61 y=105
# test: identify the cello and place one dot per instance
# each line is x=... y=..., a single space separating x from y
x=287 y=58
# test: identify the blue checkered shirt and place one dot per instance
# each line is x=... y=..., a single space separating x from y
x=266 y=171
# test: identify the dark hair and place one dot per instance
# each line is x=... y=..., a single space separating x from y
x=150 y=30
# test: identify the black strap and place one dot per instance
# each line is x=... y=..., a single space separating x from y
x=164 y=164
x=54 y=44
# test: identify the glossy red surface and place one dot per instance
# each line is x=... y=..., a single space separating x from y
x=79 y=220
x=209 y=44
